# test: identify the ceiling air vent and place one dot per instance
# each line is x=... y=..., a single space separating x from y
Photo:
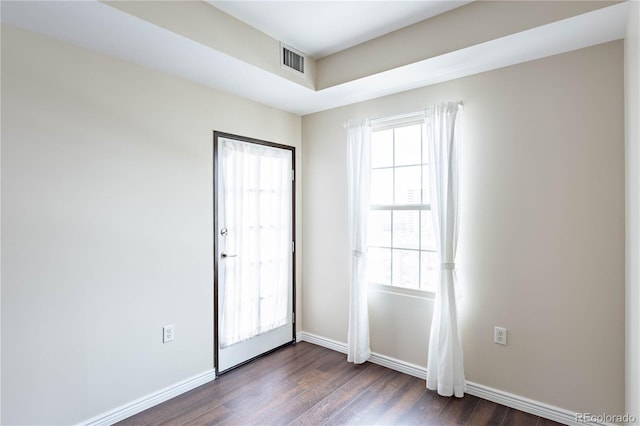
x=292 y=59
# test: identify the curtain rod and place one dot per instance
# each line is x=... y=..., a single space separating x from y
x=381 y=120
x=419 y=114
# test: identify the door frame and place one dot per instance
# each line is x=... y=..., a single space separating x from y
x=216 y=135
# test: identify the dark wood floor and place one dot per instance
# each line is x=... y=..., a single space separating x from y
x=305 y=384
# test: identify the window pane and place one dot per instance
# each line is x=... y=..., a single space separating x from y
x=426 y=198
x=380 y=228
x=407 y=145
x=430 y=270
x=406 y=229
x=408 y=185
x=406 y=268
x=402 y=246
x=379 y=265
x=425 y=151
x=382 y=186
x=382 y=148
x=428 y=238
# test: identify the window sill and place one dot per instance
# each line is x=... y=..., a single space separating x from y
x=402 y=291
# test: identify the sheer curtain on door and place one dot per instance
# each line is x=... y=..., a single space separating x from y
x=258 y=179
x=445 y=370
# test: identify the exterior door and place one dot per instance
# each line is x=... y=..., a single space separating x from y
x=254 y=248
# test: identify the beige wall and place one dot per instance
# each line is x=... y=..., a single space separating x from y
x=212 y=27
x=107 y=226
x=482 y=21
x=542 y=230
x=632 y=112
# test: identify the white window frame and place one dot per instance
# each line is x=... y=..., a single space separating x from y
x=392 y=123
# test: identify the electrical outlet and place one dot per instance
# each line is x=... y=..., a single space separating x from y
x=167 y=333
x=500 y=335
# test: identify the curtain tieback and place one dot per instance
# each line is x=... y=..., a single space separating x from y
x=447 y=266
x=357 y=253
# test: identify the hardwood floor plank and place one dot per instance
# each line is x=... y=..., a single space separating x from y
x=367 y=407
x=487 y=413
x=519 y=418
x=269 y=377
x=402 y=400
x=458 y=410
x=257 y=412
x=339 y=373
x=210 y=417
x=546 y=422
x=264 y=391
x=425 y=410
x=193 y=403
x=337 y=400
x=305 y=384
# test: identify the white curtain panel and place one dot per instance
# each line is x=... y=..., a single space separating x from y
x=358 y=181
x=256 y=198
x=445 y=371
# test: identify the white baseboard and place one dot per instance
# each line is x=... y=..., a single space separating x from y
x=500 y=397
x=303 y=336
x=527 y=405
x=148 y=401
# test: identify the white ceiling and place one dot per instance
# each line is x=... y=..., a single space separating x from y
x=96 y=26
x=320 y=28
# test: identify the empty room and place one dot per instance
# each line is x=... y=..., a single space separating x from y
x=320 y=212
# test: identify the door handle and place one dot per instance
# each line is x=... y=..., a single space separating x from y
x=227 y=255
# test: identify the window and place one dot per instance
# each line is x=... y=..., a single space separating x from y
x=402 y=247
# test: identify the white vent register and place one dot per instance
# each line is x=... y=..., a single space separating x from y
x=291 y=58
